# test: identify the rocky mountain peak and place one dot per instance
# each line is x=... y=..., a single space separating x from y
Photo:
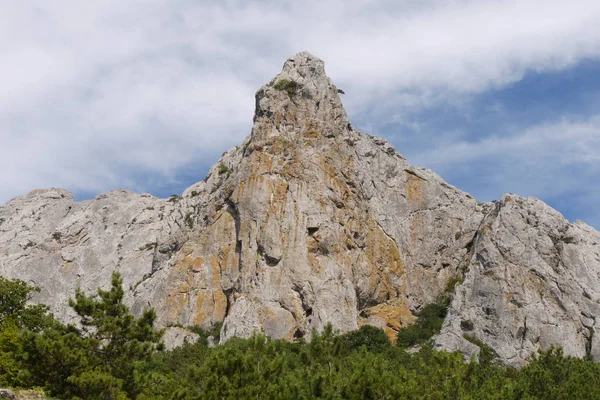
x=310 y=222
x=304 y=68
x=300 y=99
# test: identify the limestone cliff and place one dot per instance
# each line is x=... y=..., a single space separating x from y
x=533 y=281
x=310 y=222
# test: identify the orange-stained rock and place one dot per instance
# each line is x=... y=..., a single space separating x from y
x=307 y=222
x=311 y=222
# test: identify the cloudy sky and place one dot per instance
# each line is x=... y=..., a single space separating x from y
x=495 y=96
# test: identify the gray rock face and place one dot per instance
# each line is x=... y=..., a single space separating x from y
x=177 y=336
x=50 y=241
x=533 y=281
x=7 y=394
x=310 y=222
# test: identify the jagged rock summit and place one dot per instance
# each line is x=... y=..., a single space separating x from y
x=310 y=222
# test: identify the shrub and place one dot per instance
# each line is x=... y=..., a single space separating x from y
x=429 y=322
x=14 y=295
x=111 y=355
x=148 y=246
x=452 y=282
x=467 y=325
x=214 y=331
x=189 y=220
x=216 y=186
x=486 y=353
x=371 y=338
x=289 y=86
x=223 y=169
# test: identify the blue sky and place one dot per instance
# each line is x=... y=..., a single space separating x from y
x=496 y=96
x=557 y=171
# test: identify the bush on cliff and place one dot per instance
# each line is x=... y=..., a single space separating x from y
x=429 y=322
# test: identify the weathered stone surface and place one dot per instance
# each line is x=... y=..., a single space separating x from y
x=176 y=336
x=310 y=222
x=51 y=241
x=335 y=226
x=533 y=281
x=7 y=394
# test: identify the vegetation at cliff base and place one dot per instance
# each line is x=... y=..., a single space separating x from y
x=98 y=358
x=429 y=322
x=111 y=354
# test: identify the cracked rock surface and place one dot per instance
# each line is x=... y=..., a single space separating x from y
x=308 y=222
x=533 y=281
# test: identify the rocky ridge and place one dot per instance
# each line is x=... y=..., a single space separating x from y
x=308 y=222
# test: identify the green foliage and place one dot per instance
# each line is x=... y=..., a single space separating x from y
x=189 y=220
x=551 y=375
x=17 y=316
x=138 y=283
x=430 y=319
x=325 y=368
x=372 y=339
x=112 y=355
x=216 y=186
x=429 y=322
x=99 y=358
x=452 y=282
x=589 y=342
x=148 y=246
x=289 y=86
x=467 y=325
x=214 y=331
x=486 y=353
x=10 y=347
x=223 y=169
x=14 y=295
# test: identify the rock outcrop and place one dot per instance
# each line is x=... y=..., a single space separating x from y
x=533 y=281
x=7 y=394
x=310 y=222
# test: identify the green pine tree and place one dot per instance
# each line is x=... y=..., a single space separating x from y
x=15 y=316
x=99 y=358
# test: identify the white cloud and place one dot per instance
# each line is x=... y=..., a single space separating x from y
x=556 y=160
x=565 y=142
x=95 y=93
